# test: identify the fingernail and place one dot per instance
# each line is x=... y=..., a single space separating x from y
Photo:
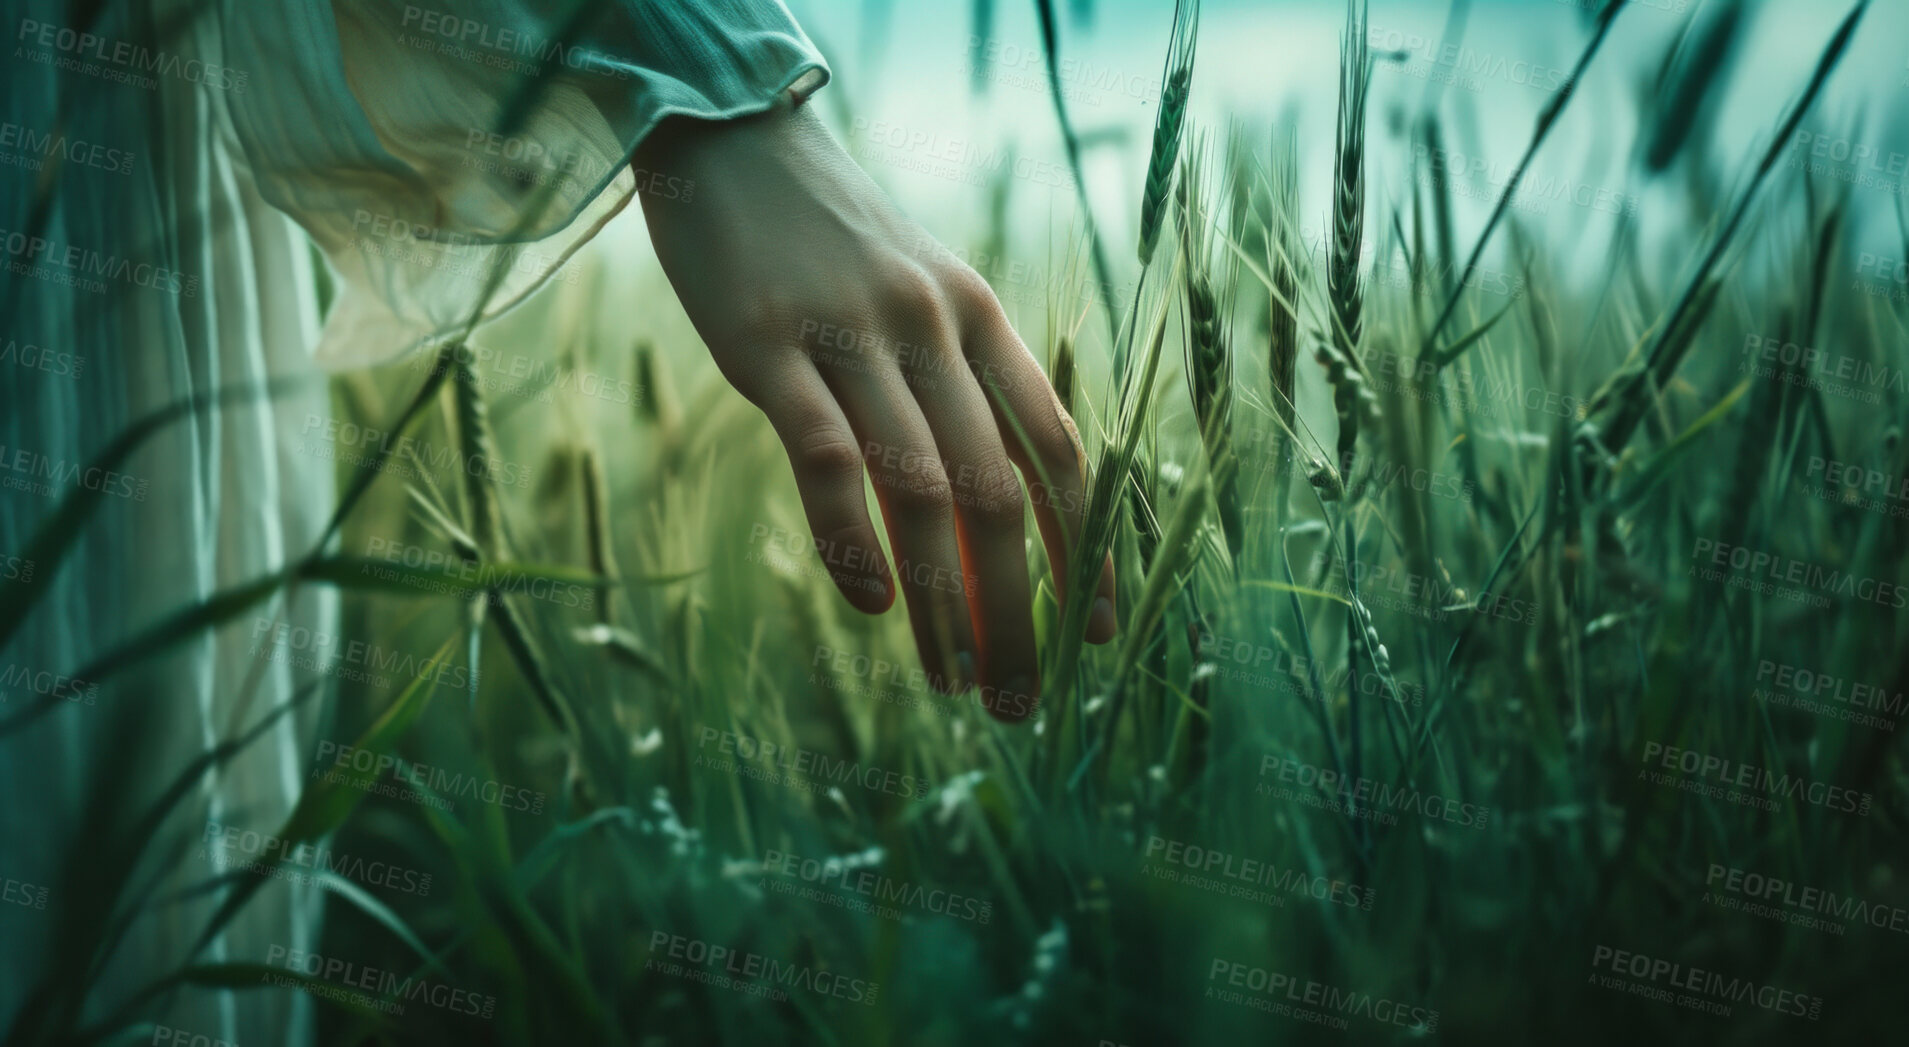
x=1100 y=621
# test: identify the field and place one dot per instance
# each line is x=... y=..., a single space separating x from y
x=1511 y=650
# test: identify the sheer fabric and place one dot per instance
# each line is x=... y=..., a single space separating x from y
x=169 y=169
x=443 y=156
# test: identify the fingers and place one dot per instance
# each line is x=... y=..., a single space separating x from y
x=828 y=471
x=991 y=525
x=918 y=504
x=1041 y=439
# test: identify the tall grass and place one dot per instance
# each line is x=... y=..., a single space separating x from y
x=1501 y=646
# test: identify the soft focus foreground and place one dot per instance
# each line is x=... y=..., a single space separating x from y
x=1511 y=563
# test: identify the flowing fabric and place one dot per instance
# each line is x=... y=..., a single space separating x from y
x=174 y=173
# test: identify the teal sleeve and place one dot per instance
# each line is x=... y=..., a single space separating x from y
x=448 y=157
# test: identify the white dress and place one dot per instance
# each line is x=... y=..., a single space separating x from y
x=169 y=169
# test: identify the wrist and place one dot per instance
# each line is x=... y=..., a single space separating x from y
x=687 y=145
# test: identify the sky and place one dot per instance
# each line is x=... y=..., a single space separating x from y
x=906 y=109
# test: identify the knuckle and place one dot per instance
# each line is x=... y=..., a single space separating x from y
x=819 y=451
x=994 y=495
x=915 y=298
x=923 y=491
x=927 y=362
x=970 y=291
x=1002 y=365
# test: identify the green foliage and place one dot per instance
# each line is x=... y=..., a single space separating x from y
x=1500 y=645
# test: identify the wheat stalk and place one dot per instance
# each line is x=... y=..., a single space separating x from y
x=1176 y=86
x=1629 y=394
x=1339 y=353
x=1061 y=372
x=1282 y=321
x=1547 y=119
x=1140 y=501
x=1209 y=358
x=596 y=521
x=479 y=450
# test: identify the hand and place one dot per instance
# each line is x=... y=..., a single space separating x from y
x=868 y=345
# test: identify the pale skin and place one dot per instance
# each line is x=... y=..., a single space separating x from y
x=872 y=351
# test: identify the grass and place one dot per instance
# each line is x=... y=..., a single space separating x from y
x=1480 y=618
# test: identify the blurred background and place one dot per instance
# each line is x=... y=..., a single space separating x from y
x=1445 y=708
